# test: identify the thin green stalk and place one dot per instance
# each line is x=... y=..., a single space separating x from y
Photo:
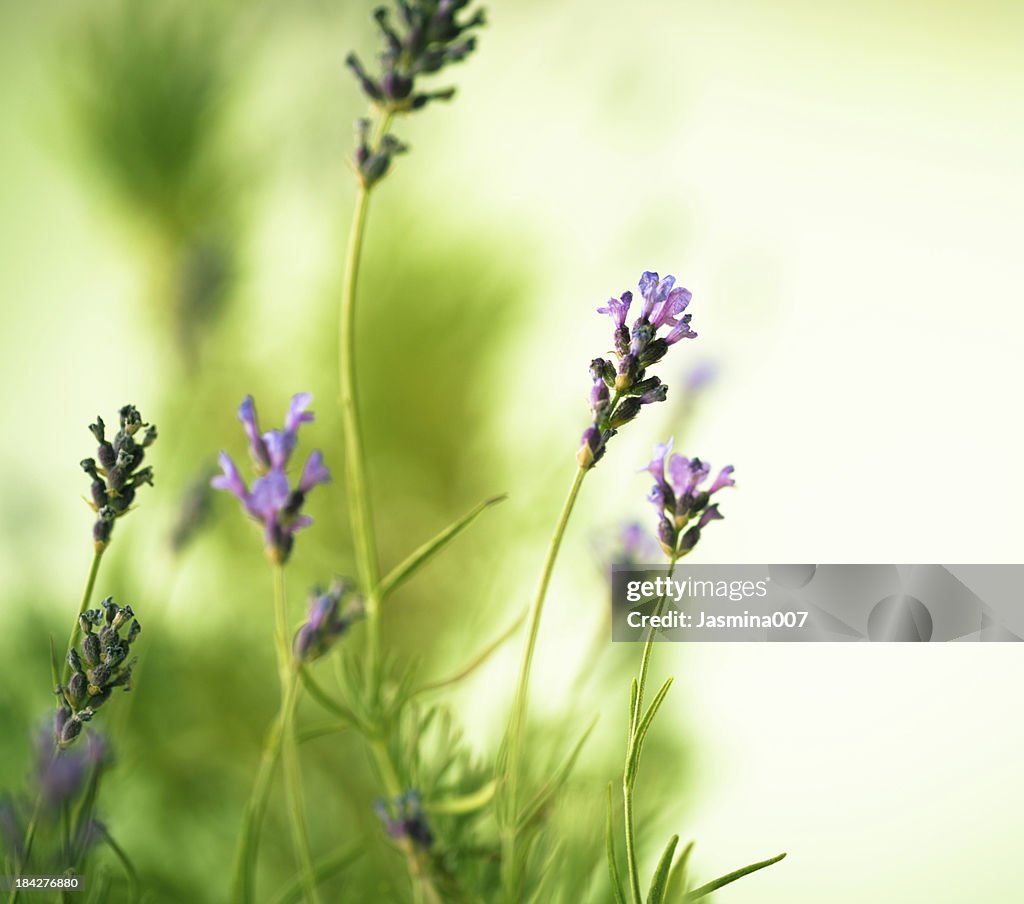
x=632 y=867
x=360 y=507
x=294 y=798
x=248 y=841
x=30 y=834
x=357 y=485
x=76 y=630
x=519 y=703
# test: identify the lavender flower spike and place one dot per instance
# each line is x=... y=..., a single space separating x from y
x=636 y=348
x=327 y=620
x=403 y=818
x=273 y=502
x=679 y=499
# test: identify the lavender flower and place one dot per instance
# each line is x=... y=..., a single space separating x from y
x=116 y=471
x=430 y=36
x=433 y=38
x=636 y=348
x=408 y=821
x=678 y=498
x=273 y=502
x=61 y=774
x=98 y=668
x=327 y=620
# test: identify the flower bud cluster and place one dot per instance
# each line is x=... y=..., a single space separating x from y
x=403 y=818
x=429 y=37
x=331 y=614
x=117 y=471
x=679 y=498
x=100 y=666
x=636 y=349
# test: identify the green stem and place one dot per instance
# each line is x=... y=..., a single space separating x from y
x=357 y=485
x=30 y=834
x=248 y=840
x=519 y=703
x=76 y=630
x=360 y=507
x=294 y=798
x=632 y=866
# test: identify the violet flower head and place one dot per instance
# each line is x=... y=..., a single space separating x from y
x=117 y=471
x=273 y=501
x=637 y=347
x=331 y=614
x=403 y=818
x=683 y=505
x=61 y=774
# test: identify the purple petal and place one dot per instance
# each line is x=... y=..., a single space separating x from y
x=680 y=331
x=618 y=308
x=279 y=445
x=724 y=479
x=711 y=513
x=685 y=474
x=648 y=287
x=656 y=466
x=269 y=495
x=247 y=415
x=297 y=413
x=314 y=473
x=230 y=480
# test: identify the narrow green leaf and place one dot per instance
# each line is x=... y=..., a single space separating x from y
x=705 y=890
x=548 y=874
x=323 y=730
x=477 y=661
x=557 y=780
x=659 y=883
x=323 y=870
x=465 y=803
x=326 y=700
x=133 y=876
x=406 y=569
x=677 y=878
x=637 y=744
x=613 y=863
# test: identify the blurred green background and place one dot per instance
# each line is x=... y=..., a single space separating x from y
x=840 y=188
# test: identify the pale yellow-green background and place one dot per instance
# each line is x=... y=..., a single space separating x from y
x=839 y=185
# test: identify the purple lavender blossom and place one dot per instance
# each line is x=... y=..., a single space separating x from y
x=61 y=774
x=403 y=818
x=327 y=620
x=678 y=499
x=636 y=349
x=272 y=501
